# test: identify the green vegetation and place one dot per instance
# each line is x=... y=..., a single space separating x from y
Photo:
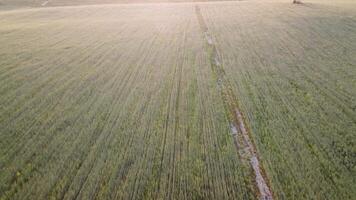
x=294 y=70
x=122 y=102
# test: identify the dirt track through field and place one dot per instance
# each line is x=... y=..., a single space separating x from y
x=242 y=140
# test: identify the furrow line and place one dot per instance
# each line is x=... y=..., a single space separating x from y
x=242 y=140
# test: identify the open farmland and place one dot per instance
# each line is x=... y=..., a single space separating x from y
x=174 y=100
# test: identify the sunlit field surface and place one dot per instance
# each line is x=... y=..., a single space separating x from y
x=126 y=101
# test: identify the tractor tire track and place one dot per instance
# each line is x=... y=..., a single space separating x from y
x=179 y=72
x=242 y=140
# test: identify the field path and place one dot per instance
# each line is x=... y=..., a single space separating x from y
x=242 y=140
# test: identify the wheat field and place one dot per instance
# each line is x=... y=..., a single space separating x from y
x=138 y=100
